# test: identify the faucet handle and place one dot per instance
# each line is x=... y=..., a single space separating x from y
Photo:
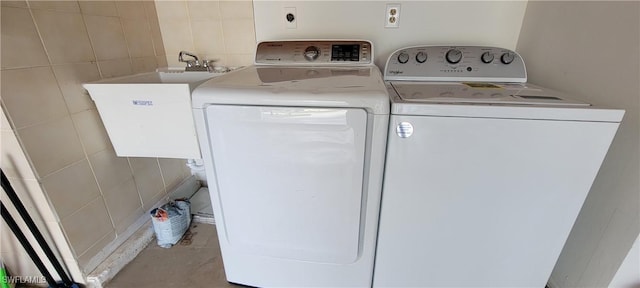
x=207 y=63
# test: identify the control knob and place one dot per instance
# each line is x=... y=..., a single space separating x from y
x=403 y=57
x=311 y=53
x=487 y=57
x=421 y=57
x=453 y=56
x=507 y=58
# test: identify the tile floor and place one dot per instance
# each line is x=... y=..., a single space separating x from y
x=193 y=262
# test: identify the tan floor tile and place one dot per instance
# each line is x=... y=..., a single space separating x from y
x=198 y=264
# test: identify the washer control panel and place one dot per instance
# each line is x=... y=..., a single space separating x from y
x=314 y=52
x=455 y=63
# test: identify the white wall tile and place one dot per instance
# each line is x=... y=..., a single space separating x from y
x=237 y=60
x=14 y=163
x=106 y=37
x=52 y=146
x=58 y=31
x=92 y=133
x=146 y=173
x=122 y=202
x=173 y=171
x=204 y=10
x=176 y=35
x=131 y=10
x=172 y=10
x=172 y=57
x=208 y=37
x=236 y=9
x=200 y=31
x=70 y=78
x=21 y=46
x=31 y=96
x=115 y=68
x=144 y=64
x=139 y=38
x=54 y=133
x=63 y=6
x=154 y=24
x=152 y=202
x=102 y=8
x=240 y=36
x=66 y=198
x=109 y=169
x=84 y=258
x=162 y=60
x=128 y=221
x=83 y=234
x=11 y=3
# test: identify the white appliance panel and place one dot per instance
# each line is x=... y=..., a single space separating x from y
x=455 y=184
x=290 y=179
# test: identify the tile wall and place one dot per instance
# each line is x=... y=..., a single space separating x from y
x=218 y=30
x=16 y=166
x=48 y=48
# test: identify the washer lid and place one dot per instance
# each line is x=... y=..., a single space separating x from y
x=492 y=100
x=360 y=87
x=478 y=93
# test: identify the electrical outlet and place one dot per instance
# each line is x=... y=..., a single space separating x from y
x=392 y=16
x=290 y=18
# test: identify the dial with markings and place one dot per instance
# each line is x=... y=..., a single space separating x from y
x=453 y=56
x=507 y=58
x=487 y=57
x=403 y=57
x=311 y=53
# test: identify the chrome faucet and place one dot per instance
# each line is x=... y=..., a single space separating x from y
x=195 y=65
x=190 y=63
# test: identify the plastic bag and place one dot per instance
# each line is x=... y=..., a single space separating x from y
x=171 y=221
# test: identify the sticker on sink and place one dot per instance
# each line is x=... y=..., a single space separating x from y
x=142 y=102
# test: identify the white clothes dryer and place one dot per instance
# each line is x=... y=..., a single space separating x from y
x=294 y=152
x=485 y=174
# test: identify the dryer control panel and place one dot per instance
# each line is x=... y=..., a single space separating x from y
x=314 y=52
x=455 y=63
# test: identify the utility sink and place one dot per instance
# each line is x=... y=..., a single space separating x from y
x=161 y=77
x=149 y=114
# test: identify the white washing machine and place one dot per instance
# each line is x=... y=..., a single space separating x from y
x=485 y=174
x=294 y=152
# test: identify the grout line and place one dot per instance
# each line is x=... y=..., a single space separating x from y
x=164 y=183
x=126 y=43
x=48 y=54
x=94 y=244
x=104 y=201
x=54 y=119
x=193 y=42
x=133 y=174
x=224 y=39
x=91 y=44
x=153 y=41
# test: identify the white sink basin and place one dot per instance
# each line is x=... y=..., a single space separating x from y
x=160 y=77
x=149 y=114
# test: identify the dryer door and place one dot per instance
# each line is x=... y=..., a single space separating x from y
x=289 y=179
